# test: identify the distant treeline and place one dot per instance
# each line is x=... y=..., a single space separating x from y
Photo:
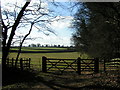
x=39 y=45
x=43 y=49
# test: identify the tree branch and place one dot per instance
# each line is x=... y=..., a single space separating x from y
x=16 y=24
x=22 y=44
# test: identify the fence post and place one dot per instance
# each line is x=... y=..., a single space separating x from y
x=44 y=64
x=104 y=66
x=21 y=63
x=29 y=62
x=12 y=61
x=96 y=65
x=79 y=65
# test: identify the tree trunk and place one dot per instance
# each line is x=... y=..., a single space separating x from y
x=22 y=44
x=4 y=57
x=6 y=46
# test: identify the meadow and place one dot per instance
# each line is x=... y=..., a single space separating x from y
x=50 y=52
x=39 y=48
x=36 y=58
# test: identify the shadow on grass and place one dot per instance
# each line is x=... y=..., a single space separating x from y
x=55 y=51
x=33 y=80
x=13 y=75
x=67 y=83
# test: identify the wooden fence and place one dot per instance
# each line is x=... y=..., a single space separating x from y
x=78 y=65
x=111 y=64
x=23 y=63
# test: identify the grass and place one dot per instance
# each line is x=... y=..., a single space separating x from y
x=36 y=58
x=39 y=48
x=49 y=81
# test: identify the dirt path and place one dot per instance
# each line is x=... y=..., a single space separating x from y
x=73 y=81
x=66 y=81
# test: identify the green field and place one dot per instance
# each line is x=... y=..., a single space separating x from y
x=39 y=49
x=36 y=58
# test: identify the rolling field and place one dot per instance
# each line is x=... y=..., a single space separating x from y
x=39 y=49
x=36 y=58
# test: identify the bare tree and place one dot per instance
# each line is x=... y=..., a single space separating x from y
x=7 y=44
x=30 y=14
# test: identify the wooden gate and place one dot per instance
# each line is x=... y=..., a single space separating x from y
x=89 y=65
x=73 y=65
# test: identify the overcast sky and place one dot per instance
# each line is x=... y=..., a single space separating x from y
x=61 y=27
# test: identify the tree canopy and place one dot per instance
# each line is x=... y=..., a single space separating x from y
x=97 y=28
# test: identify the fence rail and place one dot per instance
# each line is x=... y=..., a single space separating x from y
x=23 y=63
x=113 y=64
x=78 y=65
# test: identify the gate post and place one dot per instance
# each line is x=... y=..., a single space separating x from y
x=12 y=62
x=78 y=65
x=21 y=63
x=29 y=62
x=96 y=65
x=104 y=65
x=44 y=66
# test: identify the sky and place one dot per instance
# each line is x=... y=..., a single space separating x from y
x=61 y=28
